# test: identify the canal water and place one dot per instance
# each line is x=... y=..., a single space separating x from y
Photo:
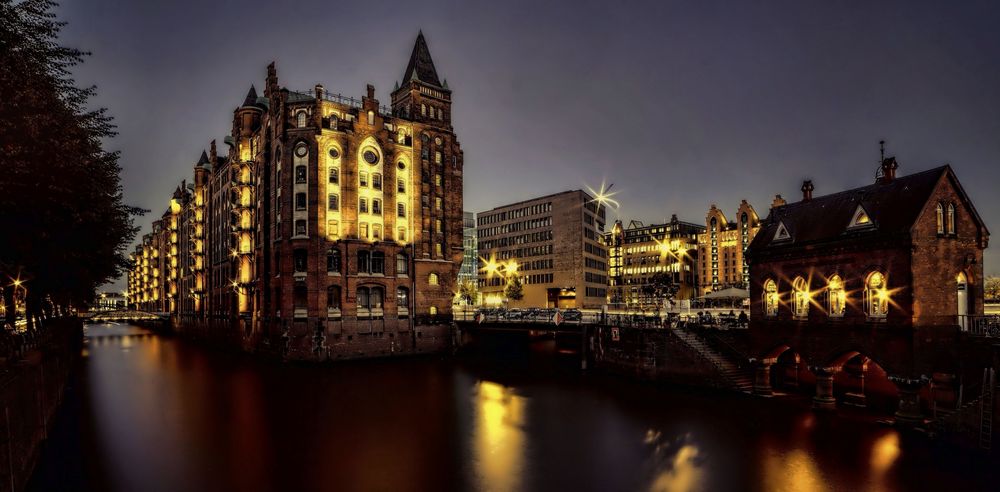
x=152 y=413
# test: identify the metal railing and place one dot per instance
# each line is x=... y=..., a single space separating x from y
x=987 y=326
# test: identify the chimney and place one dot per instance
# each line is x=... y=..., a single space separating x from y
x=371 y=91
x=319 y=91
x=807 y=190
x=778 y=201
x=889 y=166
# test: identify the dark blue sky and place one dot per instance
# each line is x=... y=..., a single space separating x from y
x=680 y=104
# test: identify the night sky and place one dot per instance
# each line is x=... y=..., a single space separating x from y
x=679 y=104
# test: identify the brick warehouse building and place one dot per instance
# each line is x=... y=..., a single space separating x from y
x=722 y=249
x=904 y=251
x=638 y=252
x=333 y=227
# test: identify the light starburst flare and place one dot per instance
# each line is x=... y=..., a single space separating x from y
x=603 y=195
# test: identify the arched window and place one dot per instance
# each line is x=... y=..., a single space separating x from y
x=402 y=264
x=364 y=262
x=940 y=218
x=800 y=297
x=962 y=284
x=402 y=297
x=836 y=297
x=333 y=297
x=378 y=262
x=951 y=218
x=876 y=295
x=376 y=295
x=371 y=117
x=333 y=260
x=300 y=119
x=713 y=223
x=432 y=279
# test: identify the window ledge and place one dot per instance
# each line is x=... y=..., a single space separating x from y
x=299 y=236
x=332 y=274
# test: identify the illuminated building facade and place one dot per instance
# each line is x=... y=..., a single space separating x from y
x=470 y=259
x=639 y=252
x=554 y=244
x=722 y=249
x=332 y=227
x=905 y=251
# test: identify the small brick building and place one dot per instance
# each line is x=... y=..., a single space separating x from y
x=905 y=251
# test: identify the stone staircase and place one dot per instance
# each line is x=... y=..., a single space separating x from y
x=739 y=379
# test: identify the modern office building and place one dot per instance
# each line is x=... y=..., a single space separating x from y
x=552 y=245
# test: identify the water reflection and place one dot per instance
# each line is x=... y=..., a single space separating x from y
x=159 y=414
x=499 y=436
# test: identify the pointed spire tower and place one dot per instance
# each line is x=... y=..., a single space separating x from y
x=421 y=96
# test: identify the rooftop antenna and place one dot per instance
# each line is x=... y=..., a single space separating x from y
x=881 y=149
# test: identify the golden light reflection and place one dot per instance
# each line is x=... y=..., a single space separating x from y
x=499 y=436
x=683 y=474
x=793 y=471
x=885 y=450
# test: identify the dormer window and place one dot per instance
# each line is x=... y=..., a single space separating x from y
x=861 y=219
x=782 y=233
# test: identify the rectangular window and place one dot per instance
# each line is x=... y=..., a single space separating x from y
x=402 y=234
x=300 y=201
x=363 y=179
x=401 y=209
x=299 y=262
x=377 y=181
x=300 y=174
x=437 y=225
x=376 y=206
x=437 y=249
x=377 y=232
x=332 y=229
x=363 y=205
x=437 y=180
x=334 y=175
x=363 y=230
x=400 y=186
x=437 y=157
x=437 y=203
x=333 y=201
x=300 y=228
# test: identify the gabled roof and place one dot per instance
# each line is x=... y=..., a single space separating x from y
x=892 y=207
x=421 y=67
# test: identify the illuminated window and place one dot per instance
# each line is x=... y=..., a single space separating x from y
x=423 y=110
x=333 y=201
x=437 y=225
x=334 y=175
x=951 y=218
x=402 y=297
x=770 y=298
x=332 y=229
x=371 y=117
x=437 y=180
x=377 y=232
x=363 y=230
x=300 y=119
x=433 y=310
x=437 y=203
x=432 y=279
x=940 y=219
x=377 y=181
x=836 y=296
x=363 y=179
x=876 y=295
x=800 y=297
x=401 y=234
x=437 y=157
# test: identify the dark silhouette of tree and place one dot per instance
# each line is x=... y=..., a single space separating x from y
x=660 y=288
x=513 y=290
x=63 y=225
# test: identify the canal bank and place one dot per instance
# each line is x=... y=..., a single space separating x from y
x=32 y=383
